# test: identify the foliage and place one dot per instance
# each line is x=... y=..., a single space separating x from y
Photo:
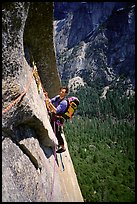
x=101 y=141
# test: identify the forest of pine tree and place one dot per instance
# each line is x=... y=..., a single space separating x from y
x=101 y=141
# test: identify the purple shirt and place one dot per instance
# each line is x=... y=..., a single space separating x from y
x=60 y=104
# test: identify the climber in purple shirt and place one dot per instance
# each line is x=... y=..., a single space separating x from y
x=59 y=103
x=57 y=106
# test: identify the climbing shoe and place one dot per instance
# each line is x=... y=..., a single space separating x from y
x=61 y=150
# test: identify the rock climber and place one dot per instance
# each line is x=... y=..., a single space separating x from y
x=57 y=106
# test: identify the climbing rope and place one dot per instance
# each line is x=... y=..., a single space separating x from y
x=19 y=97
x=53 y=178
x=37 y=78
x=39 y=85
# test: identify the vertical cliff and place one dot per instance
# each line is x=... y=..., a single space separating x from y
x=31 y=171
x=96 y=41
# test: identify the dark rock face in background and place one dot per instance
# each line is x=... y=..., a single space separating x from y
x=28 y=140
x=95 y=40
x=120 y=32
x=86 y=17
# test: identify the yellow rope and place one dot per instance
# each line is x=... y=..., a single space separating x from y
x=36 y=76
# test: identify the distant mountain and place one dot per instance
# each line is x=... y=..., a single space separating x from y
x=95 y=41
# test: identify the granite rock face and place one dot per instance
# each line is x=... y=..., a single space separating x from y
x=30 y=172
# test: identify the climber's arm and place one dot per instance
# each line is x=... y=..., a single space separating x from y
x=51 y=107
